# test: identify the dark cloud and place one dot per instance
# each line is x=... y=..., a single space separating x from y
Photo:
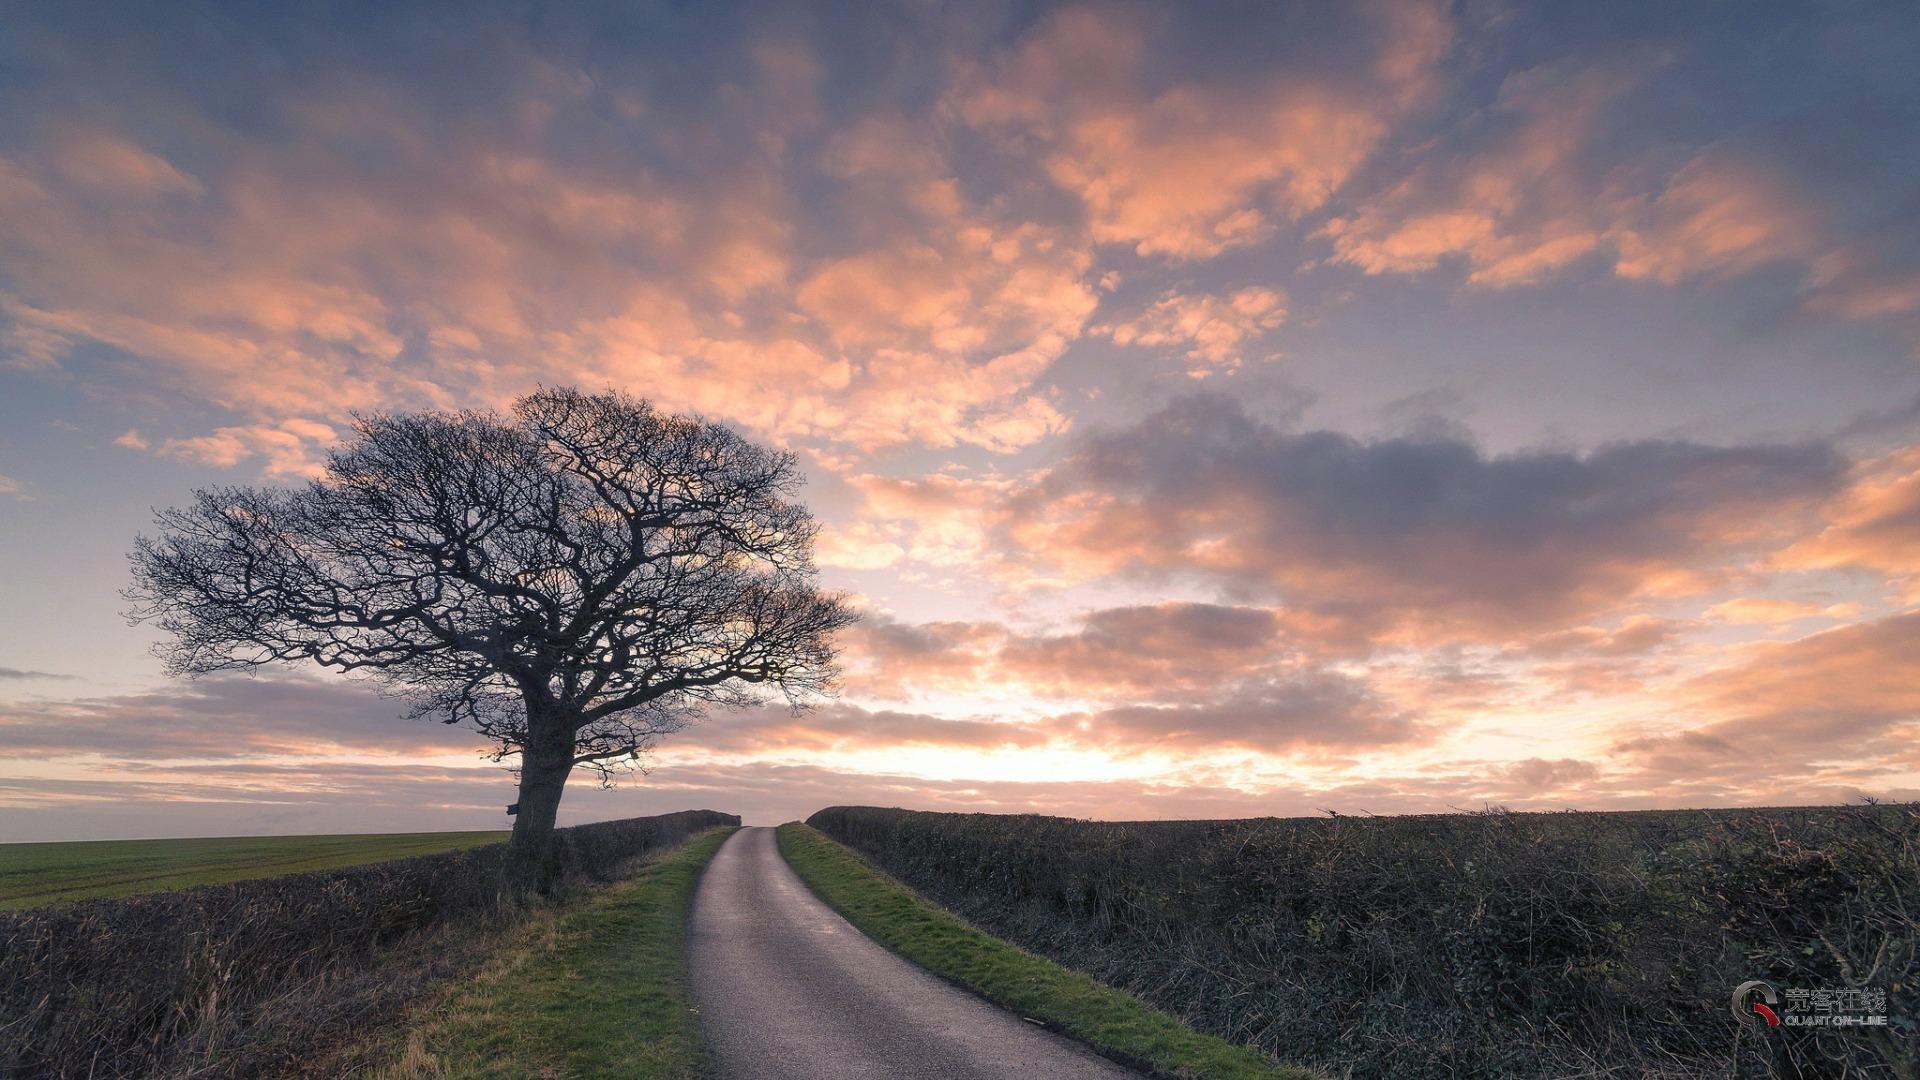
x=1431 y=533
x=1316 y=710
x=1537 y=774
x=1303 y=712
x=888 y=658
x=226 y=718
x=1145 y=652
x=1694 y=745
x=254 y=799
x=1155 y=651
x=772 y=729
x=16 y=673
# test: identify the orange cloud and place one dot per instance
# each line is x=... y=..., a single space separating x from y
x=858 y=546
x=1874 y=525
x=1634 y=635
x=1541 y=194
x=1212 y=329
x=1718 y=215
x=1191 y=169
x=302 y=278
x=937 y=520
x=1834 y=714
x=1772 y=611
x=1851 y=682
x=293 y=448
x=1538 y=181
x=1514 y=210
x=847 y=728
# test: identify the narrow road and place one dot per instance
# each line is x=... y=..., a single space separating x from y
x=789 y=990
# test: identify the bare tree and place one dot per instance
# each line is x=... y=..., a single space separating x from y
x=574 y=581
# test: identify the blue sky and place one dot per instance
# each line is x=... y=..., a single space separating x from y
x=1230 y=408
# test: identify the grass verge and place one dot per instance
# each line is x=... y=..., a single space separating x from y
x=1111 y=1022
x=593 y=988
x=34 y=874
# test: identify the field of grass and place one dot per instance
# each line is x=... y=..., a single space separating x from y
x=33 y=874
x=596 y=988
x=1114 y=1023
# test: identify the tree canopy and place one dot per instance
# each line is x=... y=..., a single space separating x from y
x=574 y=580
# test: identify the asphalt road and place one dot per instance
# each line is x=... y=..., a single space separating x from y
x=789 y=990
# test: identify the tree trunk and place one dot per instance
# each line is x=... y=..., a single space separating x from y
x=533 y=864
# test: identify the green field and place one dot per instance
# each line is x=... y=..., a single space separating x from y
x=32 y=874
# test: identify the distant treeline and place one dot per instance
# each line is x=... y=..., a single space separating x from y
x=1491 y=944
x=247 y=978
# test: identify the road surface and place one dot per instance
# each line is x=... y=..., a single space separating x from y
x=789 y=990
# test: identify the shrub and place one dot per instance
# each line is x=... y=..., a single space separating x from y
x=1488 y=944
x=176 y=982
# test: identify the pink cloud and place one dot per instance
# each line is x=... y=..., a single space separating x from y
x=108 y=162
x=1776 y=611
x=292 y=280
x=1536 y=182
x=1190 y=169
x=1718 y=215
x=1836 y=710
x=1522 y=205
x=1211 y=329
x=292 y=448
x=1874 y=525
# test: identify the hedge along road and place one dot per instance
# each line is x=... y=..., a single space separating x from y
x=789 y=990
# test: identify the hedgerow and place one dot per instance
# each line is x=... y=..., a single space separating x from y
x=1487 y=944
x=208 y=981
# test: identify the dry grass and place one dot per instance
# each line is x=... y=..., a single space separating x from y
x=1486 y=945
x=245 y=979
x=595 y=989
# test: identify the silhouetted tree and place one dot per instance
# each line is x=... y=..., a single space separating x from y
x=574 y=581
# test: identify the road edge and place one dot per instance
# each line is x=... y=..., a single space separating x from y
x=1107 y=1021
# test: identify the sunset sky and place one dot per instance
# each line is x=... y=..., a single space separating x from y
x=1217 y=410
